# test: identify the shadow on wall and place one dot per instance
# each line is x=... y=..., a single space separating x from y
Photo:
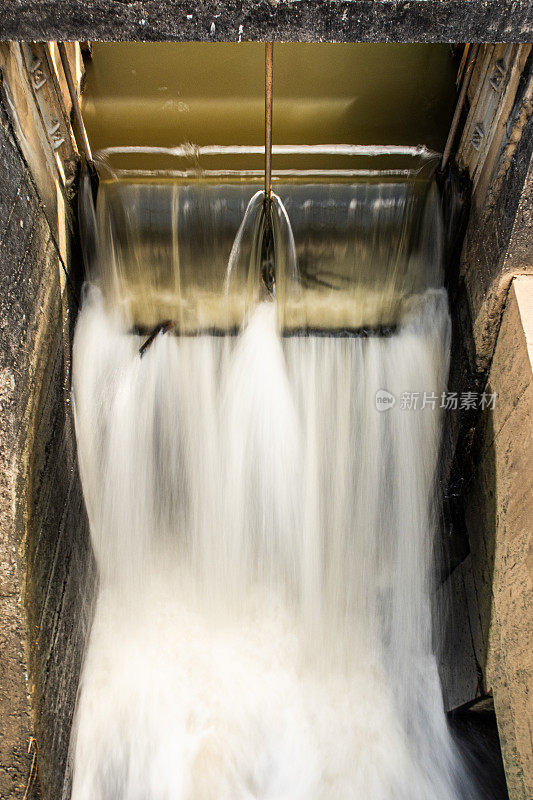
x=474 y=722
x=475 y=732
x=60 y=569
x=468 y=478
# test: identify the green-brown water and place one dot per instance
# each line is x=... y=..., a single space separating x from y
x=169 y=94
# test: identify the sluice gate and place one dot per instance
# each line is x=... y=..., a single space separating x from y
x=159 y=186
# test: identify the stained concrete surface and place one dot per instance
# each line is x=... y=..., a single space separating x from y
x=46 y=569
x=499 y=519
x=263 y=20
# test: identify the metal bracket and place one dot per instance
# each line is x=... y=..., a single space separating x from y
x=51 y=106
x=478 y=134
x=498 y=76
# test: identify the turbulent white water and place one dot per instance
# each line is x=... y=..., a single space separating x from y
x=264 y=538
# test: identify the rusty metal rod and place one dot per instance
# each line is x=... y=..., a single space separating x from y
x=85 y=146
x=459 y=107
x=268 y=123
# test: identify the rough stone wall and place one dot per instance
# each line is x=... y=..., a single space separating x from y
x=46 y=569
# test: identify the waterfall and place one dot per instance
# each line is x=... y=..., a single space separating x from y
x=263 y=513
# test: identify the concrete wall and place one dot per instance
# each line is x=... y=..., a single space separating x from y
x=46 y=570
x=492 y=589
x=499 y=519
x=488 y=644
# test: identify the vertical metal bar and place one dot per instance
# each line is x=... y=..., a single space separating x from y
x=85 y=146
x=460 y=103
x=268 y=120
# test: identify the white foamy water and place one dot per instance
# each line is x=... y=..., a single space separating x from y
x=264 y=539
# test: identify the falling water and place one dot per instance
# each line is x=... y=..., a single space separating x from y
x=264 y=535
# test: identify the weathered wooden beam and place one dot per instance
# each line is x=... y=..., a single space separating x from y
x=261 y=20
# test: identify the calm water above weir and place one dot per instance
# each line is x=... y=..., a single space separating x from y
x=208 y=93
x=263 y=528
